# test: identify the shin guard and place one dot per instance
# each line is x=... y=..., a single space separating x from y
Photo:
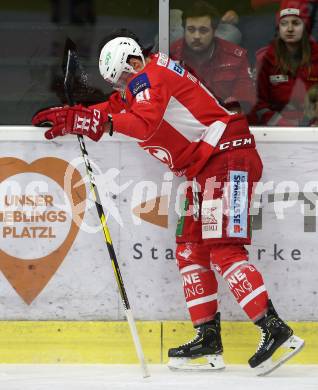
x=247 y=286
x=200 y=291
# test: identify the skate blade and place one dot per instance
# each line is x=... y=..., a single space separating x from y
x=214 y=363
x=293 y=345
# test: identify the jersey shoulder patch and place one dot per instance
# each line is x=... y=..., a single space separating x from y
x=162 y=60
x=139 y=83
x=176 y=68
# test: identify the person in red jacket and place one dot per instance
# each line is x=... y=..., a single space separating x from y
x=177 y=120
x=221 y=65
x=286 y=69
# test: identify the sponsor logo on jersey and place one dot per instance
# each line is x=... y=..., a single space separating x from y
x=163 y=60
x=176 y=68
x=138 y=84
x=212 y=218
x=143 y=96
x=278 y=78
x=238 y=204
x=161 y=154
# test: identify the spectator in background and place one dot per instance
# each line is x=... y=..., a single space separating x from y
x=221 y=65
x=228 y=18
x=312 y=8
x=286 y=69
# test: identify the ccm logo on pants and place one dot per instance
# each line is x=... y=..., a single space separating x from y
x=236 y=143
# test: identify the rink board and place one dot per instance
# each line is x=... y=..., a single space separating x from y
x=67 y=309
x=69 y=277
x=110 y=342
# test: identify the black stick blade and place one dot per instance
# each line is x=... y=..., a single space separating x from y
x=69 y=48
x=69 y=67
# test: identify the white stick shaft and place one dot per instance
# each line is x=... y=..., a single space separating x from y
x=137 y=343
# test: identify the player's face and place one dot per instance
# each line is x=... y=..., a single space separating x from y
x=125 y=77
x=291 y=29
x=198 y=33
x=122 y=82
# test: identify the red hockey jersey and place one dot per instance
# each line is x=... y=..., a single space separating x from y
x=175 y=118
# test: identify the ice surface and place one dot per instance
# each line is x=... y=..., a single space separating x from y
x=128 y=377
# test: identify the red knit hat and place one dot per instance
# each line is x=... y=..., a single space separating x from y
x=296 y=8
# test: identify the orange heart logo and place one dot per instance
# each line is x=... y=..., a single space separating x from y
x=48 y=232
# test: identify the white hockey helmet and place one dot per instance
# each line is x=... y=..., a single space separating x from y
x=113 y=64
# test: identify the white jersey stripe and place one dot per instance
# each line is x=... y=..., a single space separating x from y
x=252 y=295
x=190 y=268
x=233 y=267
x=199 y=301
x=182 y=120
x=213 y=133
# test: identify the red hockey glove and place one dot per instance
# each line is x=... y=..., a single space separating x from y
x=73 y=120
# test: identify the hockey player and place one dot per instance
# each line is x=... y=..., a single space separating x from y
x=178 y=121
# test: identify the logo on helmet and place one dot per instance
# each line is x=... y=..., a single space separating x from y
x=108 y=58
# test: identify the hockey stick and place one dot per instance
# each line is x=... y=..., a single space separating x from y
x=70 y=64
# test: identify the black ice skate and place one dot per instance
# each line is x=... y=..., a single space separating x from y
x=275 y=334
x=206 y=344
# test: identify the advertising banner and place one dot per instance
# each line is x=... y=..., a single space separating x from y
x=54 y=261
